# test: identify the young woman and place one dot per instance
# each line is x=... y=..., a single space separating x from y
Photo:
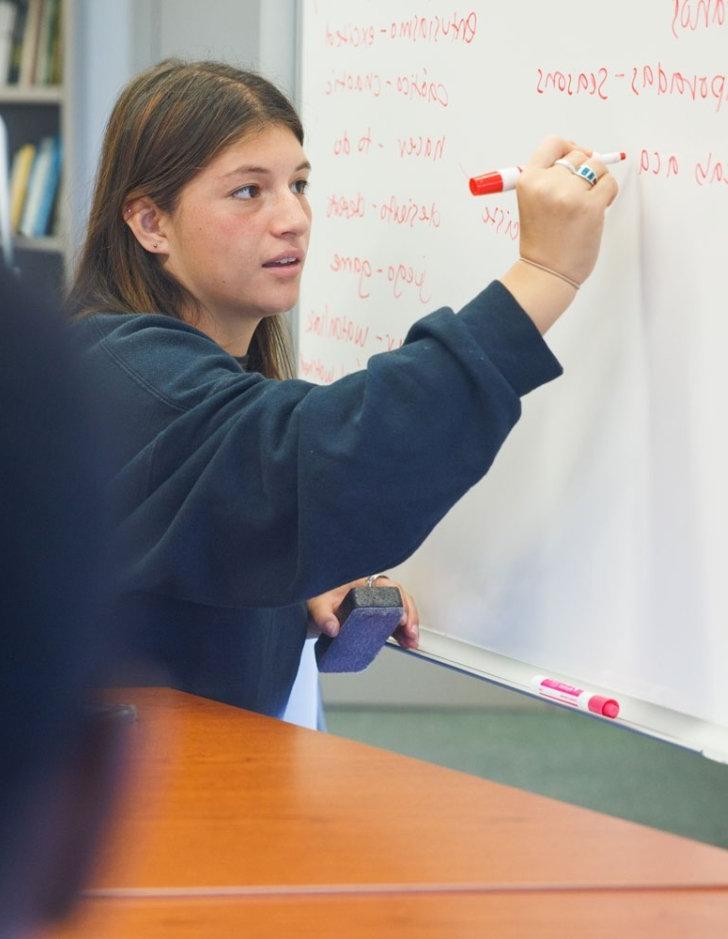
x=243 y=492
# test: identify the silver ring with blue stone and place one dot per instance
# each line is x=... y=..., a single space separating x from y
x=587 y=173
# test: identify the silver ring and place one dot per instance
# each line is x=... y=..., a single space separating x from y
x=372 y=577
x=565 y=163
x=587 y=173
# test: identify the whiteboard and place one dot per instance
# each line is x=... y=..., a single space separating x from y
x=595 y=549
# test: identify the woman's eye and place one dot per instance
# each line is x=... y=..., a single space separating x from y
x=247 y=192
x=300 y=186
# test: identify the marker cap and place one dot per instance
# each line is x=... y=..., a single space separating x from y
x=607 y=707
x=486 y=184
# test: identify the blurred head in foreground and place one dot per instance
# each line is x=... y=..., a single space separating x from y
x=58 y=751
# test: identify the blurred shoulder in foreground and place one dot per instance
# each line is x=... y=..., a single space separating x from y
x=58 y=751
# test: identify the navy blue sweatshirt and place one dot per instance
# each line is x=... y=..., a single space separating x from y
x=239 y=496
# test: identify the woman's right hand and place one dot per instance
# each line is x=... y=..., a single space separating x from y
x=561 y=222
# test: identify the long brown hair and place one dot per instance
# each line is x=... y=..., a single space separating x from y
x=167 y=125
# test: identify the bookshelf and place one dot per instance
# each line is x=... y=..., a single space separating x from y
x=35 y=105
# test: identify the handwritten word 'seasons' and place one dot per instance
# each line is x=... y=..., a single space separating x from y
x=642 y=80
x=454 y=28
x=413 y=86
x=397 y=277
x=693 y=15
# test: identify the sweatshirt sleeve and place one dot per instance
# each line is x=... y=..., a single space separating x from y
x=255 y=492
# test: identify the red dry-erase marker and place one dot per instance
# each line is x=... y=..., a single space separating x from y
x=505 y=179
x=576 y=697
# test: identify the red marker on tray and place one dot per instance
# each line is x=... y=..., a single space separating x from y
x=576 y=697
x=505 y=179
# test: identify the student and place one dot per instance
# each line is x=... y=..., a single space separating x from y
x=58 y=753
x=244 y=492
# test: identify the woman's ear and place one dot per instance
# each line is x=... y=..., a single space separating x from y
x=147 y=222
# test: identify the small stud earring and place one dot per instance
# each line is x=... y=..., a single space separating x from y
x=155 y=244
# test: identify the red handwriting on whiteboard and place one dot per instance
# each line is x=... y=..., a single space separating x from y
x=341 y=328
x=429 y=148
x=415 y=86
x=573 y=83
x=408 y=212
x=692 y=85
x=404 y=275
x=658 y=164
x=361 y=268
x=501 y=222
x=692 y=15
x=398 y=276
x=434 y=28
x=644 y=79
x=369 y=83
x=711 y=171
x=352 y=35
x=346 y=207
x=343 y=146
x=318 y=370
x=419 y=86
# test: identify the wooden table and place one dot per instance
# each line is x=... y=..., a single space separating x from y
x=239 y=824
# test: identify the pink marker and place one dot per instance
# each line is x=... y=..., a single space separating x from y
x=505 y=179
x=576 y=697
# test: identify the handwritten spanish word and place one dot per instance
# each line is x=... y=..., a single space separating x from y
x=408 y=212
x=692 y=15
x=643 y=79
x=501 y=222
x=413 y=86
x=680 y=84
x=414 y=146
x=397 y=276
x=416 y=28
x=339 y=328
x=428 y=148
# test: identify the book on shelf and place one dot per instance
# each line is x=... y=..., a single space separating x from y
x=29 y=51
x=19 y=177
x=16 y=43
x=8 y=15
x=30 y=42
x=48 y=41
x=43 y=183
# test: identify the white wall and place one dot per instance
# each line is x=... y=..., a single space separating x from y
x=102 y=61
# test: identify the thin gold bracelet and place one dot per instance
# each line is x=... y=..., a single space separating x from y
x=568 y=280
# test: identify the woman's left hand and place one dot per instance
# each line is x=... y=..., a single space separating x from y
x=322 y=619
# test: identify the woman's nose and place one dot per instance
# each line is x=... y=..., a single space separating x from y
x=291 y=214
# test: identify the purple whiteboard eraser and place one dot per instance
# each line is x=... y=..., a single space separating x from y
x=368 y=616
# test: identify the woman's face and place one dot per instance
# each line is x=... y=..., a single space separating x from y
x=238 y=237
